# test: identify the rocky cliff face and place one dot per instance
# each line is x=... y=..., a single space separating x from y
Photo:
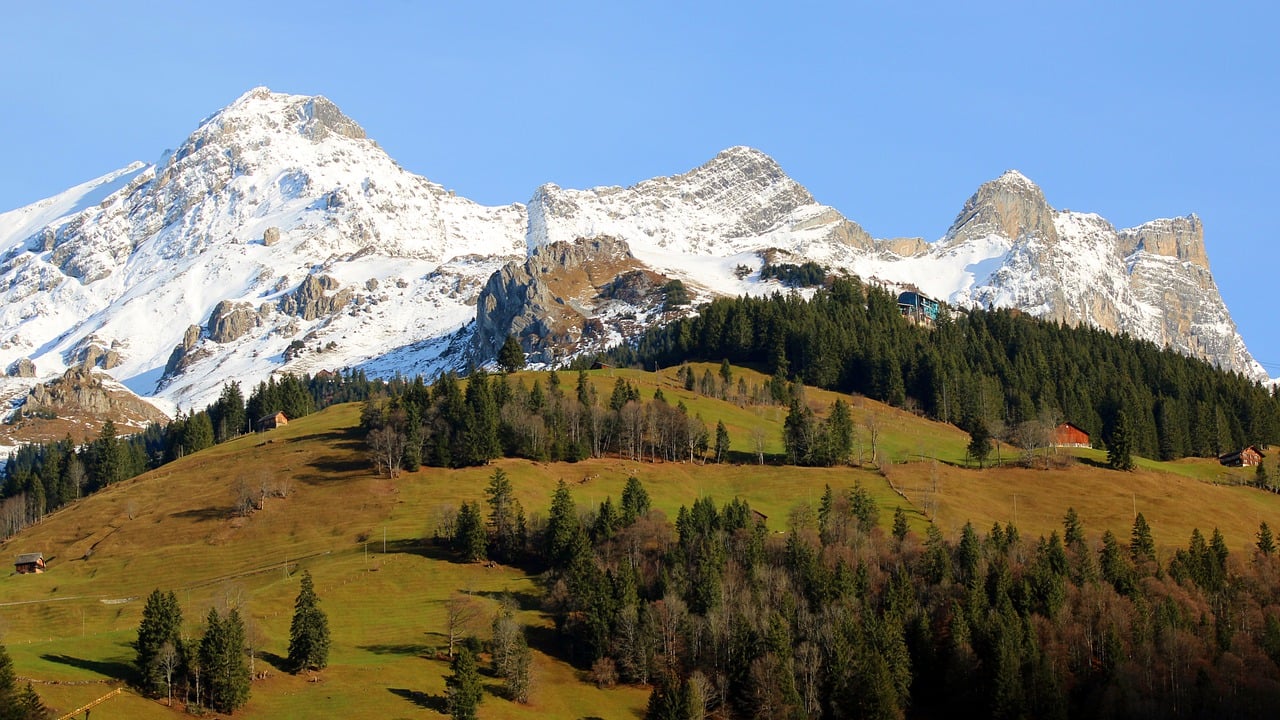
x=1151 y=281
x=567 y=298
x=77 y=404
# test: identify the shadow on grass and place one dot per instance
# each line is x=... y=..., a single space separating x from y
x=426 y=549
x=115 y=669
x=205 y=514
x=279 y=662
x=411 y=649
x=331 y=466
x=524 y=600
x=424 y=700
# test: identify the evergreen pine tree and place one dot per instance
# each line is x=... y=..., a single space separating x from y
x=222 y=660
x=1120 y=444
x=1142 y=546
x=469 y=536
x=309 y=630
x=635 y=501
x=563 y=528
x=511 y=355
x=480 y=438
x=198 y=433
x=722 y=441
x=840 y=432
x=463 y=687
x=8 y=686
x=1073 y=532
x=109 y=459
x=504 y=510
x=1266 y=543
x=899 y=524
x=161 y=623
x=979 y=442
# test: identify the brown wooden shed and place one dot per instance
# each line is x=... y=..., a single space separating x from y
x=1070 y=435
x=1248 y=457
x=275 y=420
x=28 y=563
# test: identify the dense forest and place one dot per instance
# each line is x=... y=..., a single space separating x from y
x=838 y=618
x=999 y=368
x=39 y=478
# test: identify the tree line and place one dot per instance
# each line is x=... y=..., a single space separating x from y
x=38 y=478
x=839 y=618
x=445 y=424
x=1000 y=368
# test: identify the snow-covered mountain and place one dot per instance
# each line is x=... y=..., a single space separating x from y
x=266 y=193
x=279 y=236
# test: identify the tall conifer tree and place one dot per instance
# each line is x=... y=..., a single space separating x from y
x=309 y=630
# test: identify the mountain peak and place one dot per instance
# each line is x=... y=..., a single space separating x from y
x=744 y=160
x=312 y=116
x=1011 y=205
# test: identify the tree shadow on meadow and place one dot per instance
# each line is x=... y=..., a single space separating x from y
x=424 y=700
x=424 y=547
x=115 y=669
x=279 y=662
x=205 y=514
x=330 y=467
x=523 y=599
x=408 y=649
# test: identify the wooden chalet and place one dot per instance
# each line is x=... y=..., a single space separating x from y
x=1248 y=457
x=918 y=307
x=597 y=365
x=275 y=420
x=29 y=563
x=1070 y=435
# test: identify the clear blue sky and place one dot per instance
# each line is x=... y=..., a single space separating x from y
x=892 y=115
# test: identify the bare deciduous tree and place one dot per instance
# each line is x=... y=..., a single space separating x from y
x=386 y=445
x=169 y=662
x=871 y=421
x=757 y=442
x=245 y=503
x=460 y=611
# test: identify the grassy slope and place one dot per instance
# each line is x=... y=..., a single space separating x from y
x=173 y=529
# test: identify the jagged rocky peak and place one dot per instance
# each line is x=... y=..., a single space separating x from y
x=739 y=194
x=314 y=117
x=82 y=391
x=1011 y=205
x=555 y=302
x=1181 y=238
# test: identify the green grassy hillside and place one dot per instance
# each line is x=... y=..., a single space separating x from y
x=384 y=588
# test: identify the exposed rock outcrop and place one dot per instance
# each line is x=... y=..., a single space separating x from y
x=81 y=392
x=182 y=355
x=22 y=368
x=229 y=321
x=91 y=353
x=309 y=301
x=565 y=295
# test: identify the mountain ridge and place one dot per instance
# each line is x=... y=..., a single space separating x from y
x=275 y=191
